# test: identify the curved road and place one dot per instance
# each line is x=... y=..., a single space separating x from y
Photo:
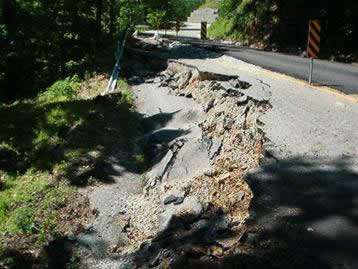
x=343 y=77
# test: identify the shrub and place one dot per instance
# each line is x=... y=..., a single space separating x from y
x=23 y=220
x=66 y=87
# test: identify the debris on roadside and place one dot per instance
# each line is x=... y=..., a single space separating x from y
x=202 y=215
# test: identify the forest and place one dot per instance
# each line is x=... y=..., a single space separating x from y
x=45 y=40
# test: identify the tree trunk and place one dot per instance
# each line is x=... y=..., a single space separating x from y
x=112 y=17
x=8 y=14
x=99 y=7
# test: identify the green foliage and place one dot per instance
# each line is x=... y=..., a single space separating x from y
x=127 y=94
x=285 y=23
x=210 y=4
x=47 y=135
x=182 y=9
x=242 y=19
x=131 y=13
x=4 y=209
x=63 y=88
x=9 y=260
x=223 y=27
x=23 y=221
x=155 y=18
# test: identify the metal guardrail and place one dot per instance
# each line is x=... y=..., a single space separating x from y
x=112 y=84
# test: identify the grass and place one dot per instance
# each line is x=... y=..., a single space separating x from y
x=44 y=153
x=224 y=28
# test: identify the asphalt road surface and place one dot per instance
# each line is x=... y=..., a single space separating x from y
x=306 y=190
x=342 y=77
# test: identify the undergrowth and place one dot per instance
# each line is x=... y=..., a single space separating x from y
x=54 y=143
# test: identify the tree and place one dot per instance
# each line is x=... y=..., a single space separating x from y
x=8 y=14
x=99 y=7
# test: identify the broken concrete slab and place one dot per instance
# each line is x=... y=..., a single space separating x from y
x=215 y=148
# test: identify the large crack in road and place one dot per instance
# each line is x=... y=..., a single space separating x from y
x=214 y=141
x=202 y=134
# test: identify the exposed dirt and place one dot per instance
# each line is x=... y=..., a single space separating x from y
x=232 y=136
x=71 y=216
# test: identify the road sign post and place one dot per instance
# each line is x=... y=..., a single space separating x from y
x=204 y=30
x=313 y=42
x=311 y=71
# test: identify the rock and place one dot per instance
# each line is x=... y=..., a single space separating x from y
x=235 y=83
x=209 y=173
x=170 y=199
x=234 y=222
x=180 y=142
x=153 y=181
x=135 y=79
x=186 y=212
x=157 y=80
x=215 y=148
x=240 y=195
x=114 y=248
x=88 y=228
x=169 y=73
x=227 y=243
x=222 y=178
x=150 y=184
x=158 y=258
x=202 y=224
x=184 y=80
x=71 y=236
x=228 y=123
x=179 y=200
x=160 y=168
x=209 y=105
x=222 y=223
x=224 y=93
x=193 y=207
x=242 y=100
x=145 y=245
x=252 y=238
x=156 y=36
x=164 y=84
x=216 y=250
x=121 y=212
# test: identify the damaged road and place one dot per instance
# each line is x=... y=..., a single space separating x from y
x=236 y=178
x=202 y=134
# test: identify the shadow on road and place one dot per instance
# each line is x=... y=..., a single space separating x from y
x=311 y=206
x=303 y=215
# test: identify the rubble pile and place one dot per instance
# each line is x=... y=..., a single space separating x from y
x=203 y=216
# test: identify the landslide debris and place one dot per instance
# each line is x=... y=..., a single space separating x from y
x=202 y=217
x=176 y=219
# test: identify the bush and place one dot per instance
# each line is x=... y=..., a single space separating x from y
x=23 y=220
x=66 y=88
x=155 y=18
x=3 y=209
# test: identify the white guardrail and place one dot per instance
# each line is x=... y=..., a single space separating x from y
x=112 y=84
